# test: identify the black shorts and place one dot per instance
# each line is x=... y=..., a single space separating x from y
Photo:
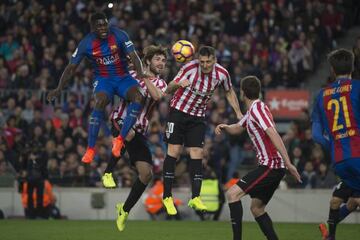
x=137 y=148
x=261 y=183
x=343 y=191
x=184 y=129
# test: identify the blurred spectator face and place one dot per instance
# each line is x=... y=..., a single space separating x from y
x=59 y=134
x=50 y=146
x=48 y=125
x=159 y=153
x=37 y=115
x=207 y=63
x=317 y=153
x=154 y=138
x=297 y=152
x=309 y=167
x=308 y=135
x=37 y=131
x=11 y=103
x=163 y=109
x=68 y=143
x=29 y=105
x=63 y=166
x=267 y=79
x=60 y=149
x=81 y=170
x=65 y=121
x=330 y=8
x=323 y=168
x=80 y=149
x=78 y=113
x=18 y=111
x=58 y=112
x=52 y=164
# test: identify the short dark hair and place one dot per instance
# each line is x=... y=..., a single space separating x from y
x=96 y=16
x=152 y=50
x=251 y=86
x=207 y=51
x=342 y=61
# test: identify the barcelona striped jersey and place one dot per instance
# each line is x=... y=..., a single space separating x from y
x=337 y=109
x=107 y=56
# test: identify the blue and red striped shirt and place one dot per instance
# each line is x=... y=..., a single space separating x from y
x=107 y=56
x=337 y=110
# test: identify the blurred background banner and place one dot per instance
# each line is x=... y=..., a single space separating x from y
x=287 y=104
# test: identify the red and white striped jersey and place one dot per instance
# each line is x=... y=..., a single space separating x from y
x=142 y=122
x=194 y=98
x=257 y=119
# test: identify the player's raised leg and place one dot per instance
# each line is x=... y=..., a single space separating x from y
x=96 y=118
x=130 y=89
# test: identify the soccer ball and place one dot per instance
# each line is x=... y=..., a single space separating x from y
x=183 y=51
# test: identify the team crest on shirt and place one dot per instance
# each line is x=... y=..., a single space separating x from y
x=113 y=48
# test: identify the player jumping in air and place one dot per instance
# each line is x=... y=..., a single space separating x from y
x=335 y=125
x=194 y=85
x=135 y=142
x=106 y=48
x=262 y=182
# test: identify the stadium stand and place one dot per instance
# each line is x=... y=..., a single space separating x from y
x=281 y=42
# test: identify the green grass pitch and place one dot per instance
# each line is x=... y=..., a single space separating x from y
x=157 y=230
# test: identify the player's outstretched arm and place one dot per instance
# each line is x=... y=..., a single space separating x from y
x=174 y=85
x=234 y=102
x=138 y=65
x=154 y=92
x=65 y=77
x=278 y=143
x=233 y=129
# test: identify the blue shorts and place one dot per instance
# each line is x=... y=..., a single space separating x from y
x=349 y=171
x=114 y=86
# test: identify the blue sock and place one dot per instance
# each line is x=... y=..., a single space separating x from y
x=133 y=110
x=344 y=211
x=96 y=119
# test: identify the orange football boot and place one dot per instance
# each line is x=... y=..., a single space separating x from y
x=323 y=230
x=118 y=144
x=88 y=156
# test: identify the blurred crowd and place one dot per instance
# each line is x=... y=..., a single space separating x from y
x=279 y=41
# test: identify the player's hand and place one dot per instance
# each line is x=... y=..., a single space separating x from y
x=292 y=169
x=219 y=128
x=184 y=83
x=239 y=116
x=53 y=94
x=144 y=75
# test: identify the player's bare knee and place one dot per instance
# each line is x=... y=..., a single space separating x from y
x=335 y=202
x=256 y=211
x=138 y=97
x=352 y=204
x=146 y=176
x=196 y=153
x=101 y=102
x=232 y=195
x=174 y=150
